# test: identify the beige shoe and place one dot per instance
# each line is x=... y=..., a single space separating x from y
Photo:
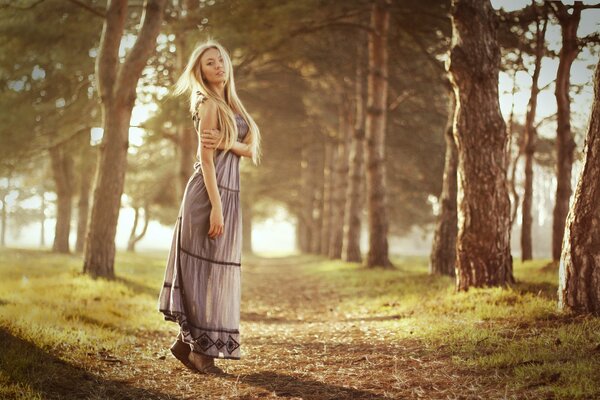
x=204 y=364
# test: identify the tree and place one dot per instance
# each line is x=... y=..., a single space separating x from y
x=443 y=251
x=356 y=170
x=116 y=85
x=375 y=127
x=568 y=17
x=529 y=142
x=483 y=240
x=579 y=275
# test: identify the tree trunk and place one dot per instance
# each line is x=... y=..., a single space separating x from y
x=340 y=182
x=4 y=220
x=317 y=204
x=530 y=144
x=356 y=176
x=116 y=85
x=4 y=215
x=375 y=127
x=62 y=172
x=42 y=220
x=565 y=143
x=579 y=275
x=326 y=220
x=304 y=228
x=443 y=252
x=483 y=241
x=133 y=238
x=83 y=205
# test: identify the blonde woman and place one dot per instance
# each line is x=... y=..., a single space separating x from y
x=202 y=284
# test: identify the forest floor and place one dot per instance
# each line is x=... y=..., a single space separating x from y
x=311 y=328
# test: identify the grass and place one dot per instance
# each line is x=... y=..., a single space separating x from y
x=397 y=333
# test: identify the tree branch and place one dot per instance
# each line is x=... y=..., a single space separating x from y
x=142 y=49
x=107 y=62
x=89 y=8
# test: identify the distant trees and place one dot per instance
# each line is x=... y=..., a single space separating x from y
x=579 y=276
x=483 y=241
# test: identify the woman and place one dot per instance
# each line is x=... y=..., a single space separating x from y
x=202 y=283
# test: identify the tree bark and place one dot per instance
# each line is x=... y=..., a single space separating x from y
x=62 y=172
x=340 y=181
x=116 y=85
x=565 y=143
x=579 y=273
x=530 y=143
x=483 y=241
x=375 y=127
x=356 y=175
x=443 y=252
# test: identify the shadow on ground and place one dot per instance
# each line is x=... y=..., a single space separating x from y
x=25 y=364
x=289 y=386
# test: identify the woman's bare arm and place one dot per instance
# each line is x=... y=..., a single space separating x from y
x=208 y=120
x=211 y=138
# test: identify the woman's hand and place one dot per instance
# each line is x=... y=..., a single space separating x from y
x=212 y=139
x=216 y=222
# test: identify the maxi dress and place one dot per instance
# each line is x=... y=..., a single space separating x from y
x=202 y=282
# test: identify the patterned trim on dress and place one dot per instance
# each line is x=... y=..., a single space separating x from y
x=203 y=341
x=209 y=260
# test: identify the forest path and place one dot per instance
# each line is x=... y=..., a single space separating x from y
x=297 y=343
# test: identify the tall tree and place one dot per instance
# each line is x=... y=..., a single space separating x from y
x=341 y=177
x=86 y=171
x=443 y=252
x=579 y=276
x=62 y=170
x=356 y=174
x=483 y=240
x=375 y=127
x=531 y=136
x=568 y=17
x=116 y=84
x=327 y=203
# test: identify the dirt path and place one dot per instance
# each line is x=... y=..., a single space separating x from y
x=295 y=345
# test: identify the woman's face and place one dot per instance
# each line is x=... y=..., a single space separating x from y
x=213 y=67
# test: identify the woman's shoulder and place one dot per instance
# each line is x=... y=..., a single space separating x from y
x=201 y=99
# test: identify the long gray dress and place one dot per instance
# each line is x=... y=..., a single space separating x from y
x=202 y=283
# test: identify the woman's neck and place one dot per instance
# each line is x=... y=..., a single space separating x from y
x=220 y=90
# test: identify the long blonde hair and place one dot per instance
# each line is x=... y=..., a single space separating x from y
x=192 y=80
